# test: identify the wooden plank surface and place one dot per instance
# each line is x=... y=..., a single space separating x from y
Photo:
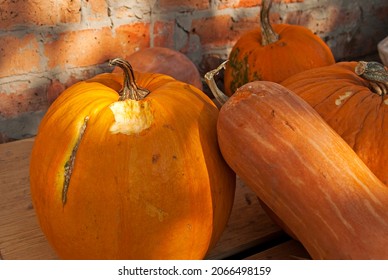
x=249 y=229
x=20 y=235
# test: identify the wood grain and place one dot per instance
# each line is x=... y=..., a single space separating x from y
x=21 y=238
x=20 y=235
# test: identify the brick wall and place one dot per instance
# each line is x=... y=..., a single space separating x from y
x=47 y=45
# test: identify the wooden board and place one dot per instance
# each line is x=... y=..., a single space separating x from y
x=249 y=233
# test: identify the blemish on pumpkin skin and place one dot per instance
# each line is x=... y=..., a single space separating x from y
x=155 y=158
x=155 y=212
x=386 y=101
x=248 y=199
x=343 y=97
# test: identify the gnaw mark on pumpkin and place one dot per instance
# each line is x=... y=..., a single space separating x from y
x=69 y=165
x=343 y=97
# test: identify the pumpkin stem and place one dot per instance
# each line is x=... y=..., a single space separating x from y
x=268 y=35
x=376 y=74
x=130 y=89
x=209 y=78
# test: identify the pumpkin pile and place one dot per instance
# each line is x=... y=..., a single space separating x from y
x=132 y=165
x=127 y=166
x=310 y=140
x=308 y=176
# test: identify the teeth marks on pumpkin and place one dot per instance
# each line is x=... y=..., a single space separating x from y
x=342 y=98
x=69 y=165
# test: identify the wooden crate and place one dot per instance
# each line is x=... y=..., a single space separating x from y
x=250 y=234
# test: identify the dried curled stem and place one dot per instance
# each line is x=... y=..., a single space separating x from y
x=376 y=74
x=268 y=35
x=209 y=78
x=130 y=89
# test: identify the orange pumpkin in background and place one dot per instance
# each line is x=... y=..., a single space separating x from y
x=131 y=174
x=274 y=53
x=352 y=98
x=165 y=61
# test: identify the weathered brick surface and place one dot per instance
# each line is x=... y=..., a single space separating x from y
x=95 y=46
x=223 y=4
x=19 y=55
x=163 y=34
x=48 y=45
x=25 y=97
x=40 y=13
x=169 y=5
x=215 y=31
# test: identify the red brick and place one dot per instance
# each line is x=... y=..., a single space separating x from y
x=164 y=34
x=220 y=31
x=22 y=98
x=18 y=55
x=249 y=3
x=96 y=46
x=44 y=12
x=132 y=37
x=137 y=9
x=54 y=90
x=184 y=4
x=98 y=9
x=78 y=48
x=238 y=4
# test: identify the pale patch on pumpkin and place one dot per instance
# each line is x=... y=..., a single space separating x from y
x=131 y=116
x=154 y=211
x=341 y=98
x=386 y=101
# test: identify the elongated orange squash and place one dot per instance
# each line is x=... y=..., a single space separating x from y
x=304 y=172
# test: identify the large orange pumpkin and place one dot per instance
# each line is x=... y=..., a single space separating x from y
x=165 y=61
x=274 y=53
x=131 y=175
x=348 y=98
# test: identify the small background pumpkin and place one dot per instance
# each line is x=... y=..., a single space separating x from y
x=274 y=53
x=165 y=61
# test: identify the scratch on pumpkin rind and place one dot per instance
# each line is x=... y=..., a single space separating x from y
x=69 y=165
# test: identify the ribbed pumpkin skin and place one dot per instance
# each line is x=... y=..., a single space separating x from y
x=297 y=49
x=346 y=102
x=162 y=193
x=305 y=172
x=165 y=61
